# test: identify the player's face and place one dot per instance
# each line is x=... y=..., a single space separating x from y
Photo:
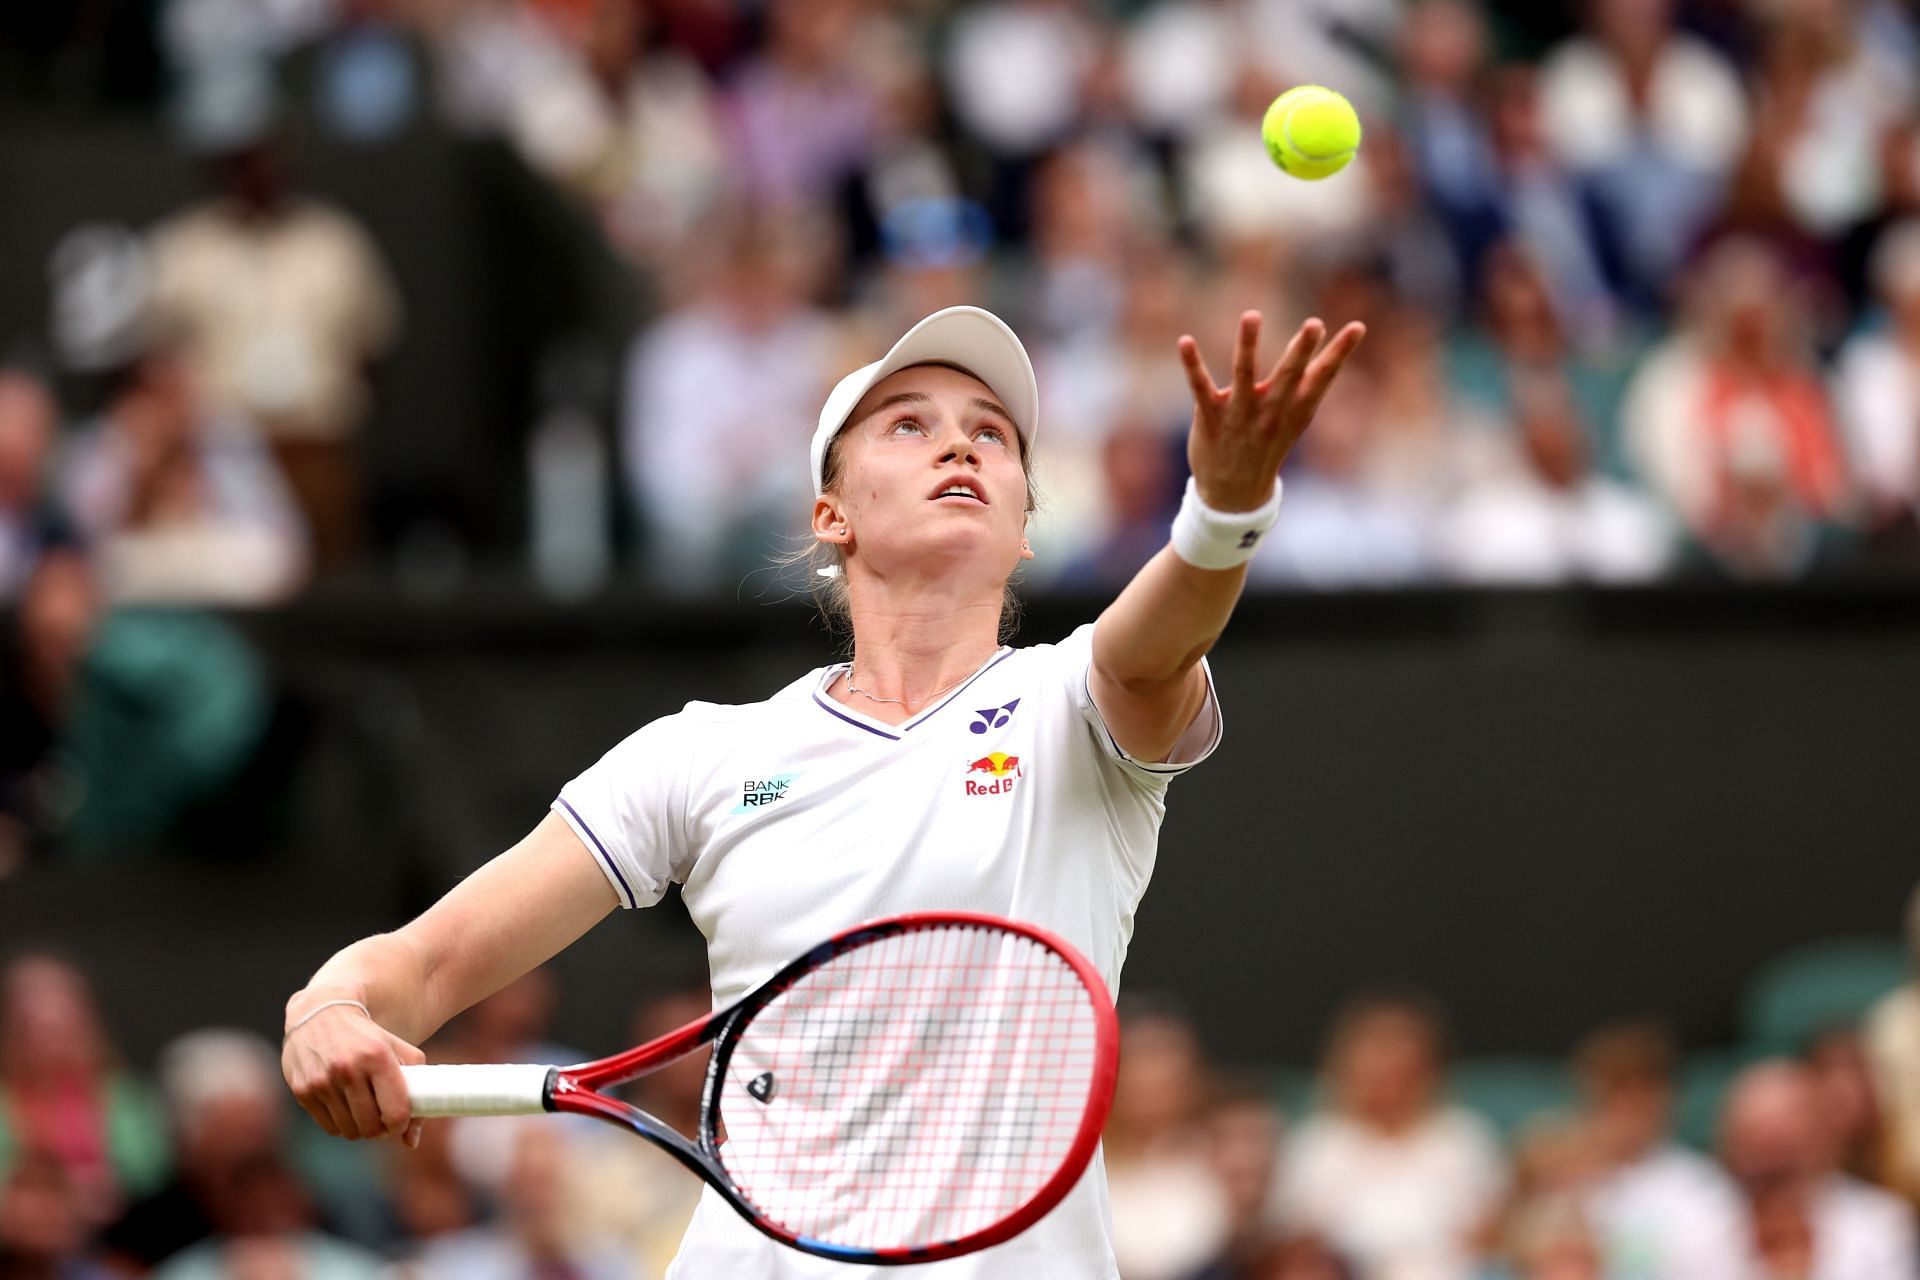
x=930 y=475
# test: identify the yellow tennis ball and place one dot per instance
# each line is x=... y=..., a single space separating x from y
x=1311 y=132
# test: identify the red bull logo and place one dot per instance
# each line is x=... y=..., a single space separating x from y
x=1004 y=769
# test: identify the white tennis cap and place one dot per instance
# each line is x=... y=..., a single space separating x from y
x=975 y=340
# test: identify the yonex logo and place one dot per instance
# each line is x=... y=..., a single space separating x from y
x=758 y=793
x=994 y=717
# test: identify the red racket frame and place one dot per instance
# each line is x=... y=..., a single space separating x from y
x=575 y=1090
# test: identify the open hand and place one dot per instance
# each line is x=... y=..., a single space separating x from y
x=1242 y=433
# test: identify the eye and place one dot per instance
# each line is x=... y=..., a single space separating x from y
x=908 y=423
x=997 y=434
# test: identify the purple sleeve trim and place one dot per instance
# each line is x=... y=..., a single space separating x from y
x=606 y=859
x=1157 y=767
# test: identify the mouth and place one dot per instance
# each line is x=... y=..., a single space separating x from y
x=960 y=489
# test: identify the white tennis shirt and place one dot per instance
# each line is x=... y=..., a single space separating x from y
x=789 y=820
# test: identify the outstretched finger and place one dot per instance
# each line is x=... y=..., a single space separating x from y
x=1320 y=374
x=1245 y=345
x=1198 y=378
x=1306 y=340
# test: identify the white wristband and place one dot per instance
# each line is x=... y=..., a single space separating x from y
x=1209 y=539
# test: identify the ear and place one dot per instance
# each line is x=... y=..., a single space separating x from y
x=829 y=522
x=1026 y=550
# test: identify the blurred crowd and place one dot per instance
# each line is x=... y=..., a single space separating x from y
x=1643 y=278
x=1387 y=1162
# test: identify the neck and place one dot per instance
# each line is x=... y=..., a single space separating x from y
x=913 y=647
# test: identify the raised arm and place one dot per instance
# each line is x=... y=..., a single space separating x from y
x=1148 y=643
x=507 y=918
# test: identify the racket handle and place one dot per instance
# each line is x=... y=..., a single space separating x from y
x=483 y=1089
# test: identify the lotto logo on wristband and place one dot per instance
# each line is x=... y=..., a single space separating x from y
x=1248 y=539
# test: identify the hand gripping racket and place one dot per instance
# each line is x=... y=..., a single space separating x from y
x=912 y=1089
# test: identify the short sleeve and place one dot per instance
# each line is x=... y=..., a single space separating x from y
x=630 y=810
x=1197 y=741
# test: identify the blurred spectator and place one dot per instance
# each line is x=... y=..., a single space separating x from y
x=717 y=389
x=265 y=1229
x=1303 y=1257
x=428 y=1197
x=1171 y=54
x=1877 y=391
x=1551 y=1240
x=281 y=305
x=121 y=721
x=506 y=66
x=1893 y=1049
x=1546 y=517
x=1170 y=1213
x=1423 y=442
x=44 y=1231
x=232 y=1209
x=1655 y=118
x=664 y=165
x=1660 y=1212
x=536 y=1236
x=29 y=520
x=800 y=117
x=367 y=72
x=1339 y=531
x=181 y=505
x=1243 y=1149
x=1807 y=1219
x=1099 y=373
x=1143 y=473
x=1518 y=338
x=1823 y=97
x=64 y=1097
x=1086 y=205
x=1729 y=423
x=1515 y=187
x=511 y=1025
x=634 y=1192
x=1015 y=71
x=1388 y=1172
x=1851 y=1104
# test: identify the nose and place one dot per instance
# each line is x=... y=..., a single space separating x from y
x=959 y=447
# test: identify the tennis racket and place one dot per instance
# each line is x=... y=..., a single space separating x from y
x=912 y=1089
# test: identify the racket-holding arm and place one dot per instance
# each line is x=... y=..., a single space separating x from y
x=480 y=1089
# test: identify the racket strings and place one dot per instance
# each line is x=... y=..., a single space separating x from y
x=916 y=1090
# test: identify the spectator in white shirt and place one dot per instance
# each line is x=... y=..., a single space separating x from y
x=1656 y=118
x=1661 y=1212
x=1394 y=1177
x=182 y=502
x=1170 y=1212
x=1808 y=1220
x=1877 y=395
x=714 y=388
x=1547 y=517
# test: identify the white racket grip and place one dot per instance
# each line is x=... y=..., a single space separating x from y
x=481 y=1089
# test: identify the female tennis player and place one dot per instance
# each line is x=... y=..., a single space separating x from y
x=938 y=769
